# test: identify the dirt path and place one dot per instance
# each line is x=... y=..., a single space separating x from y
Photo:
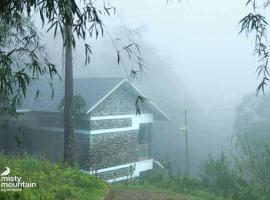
x=131 y=194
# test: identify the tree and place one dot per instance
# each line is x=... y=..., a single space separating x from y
x=252 y=125
x=252 y=118
x=78 y=107
x=69 y=104
x=22 y=61
x=255 y=23
x=71 y=19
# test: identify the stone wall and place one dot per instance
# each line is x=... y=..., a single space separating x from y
x=120 y=102
x=125 y=171
x=110 y=123
x=113 y=149
x=116 y=148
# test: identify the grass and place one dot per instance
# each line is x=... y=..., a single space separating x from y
x=54 y=181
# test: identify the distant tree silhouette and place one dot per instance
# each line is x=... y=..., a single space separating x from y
x=79 y=105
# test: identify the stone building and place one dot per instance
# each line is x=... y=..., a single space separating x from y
x=111 y=138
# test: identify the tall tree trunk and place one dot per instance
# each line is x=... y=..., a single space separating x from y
x=68 y=108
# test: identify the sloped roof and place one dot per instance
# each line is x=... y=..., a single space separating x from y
x=93 y=90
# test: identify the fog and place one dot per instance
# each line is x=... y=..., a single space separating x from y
x=195 y=60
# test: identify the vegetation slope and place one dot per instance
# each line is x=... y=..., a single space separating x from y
x=54 y=181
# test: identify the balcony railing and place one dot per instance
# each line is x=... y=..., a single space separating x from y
x=143 y=152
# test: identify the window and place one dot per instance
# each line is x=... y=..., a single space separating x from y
x=144 y=132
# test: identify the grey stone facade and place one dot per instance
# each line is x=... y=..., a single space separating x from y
x=125 y=171
x=116 y=148
x=110 y=123
x=112 y=149
x=120 y=102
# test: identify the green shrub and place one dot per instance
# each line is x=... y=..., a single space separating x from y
x=218 y=180
x=164 y=179
x=218 y=176
x=54 y=181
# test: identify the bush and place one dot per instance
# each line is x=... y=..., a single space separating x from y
x=219 y=178
x=164 y=179
x=54 y=181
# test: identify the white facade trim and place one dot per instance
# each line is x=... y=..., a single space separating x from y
x=147 y=117
x=136 y=121
x=140 y=166
x=143 y=118
x=62 y=130
x=23 y=110
x=111 y=168
x=111 y=117
x=117 y=179
x=113 y=130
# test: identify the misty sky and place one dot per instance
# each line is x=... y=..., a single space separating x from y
x=200 y=40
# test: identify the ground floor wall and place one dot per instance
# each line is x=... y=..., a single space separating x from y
x=48 y=144
x=111 y=142
x=112 y=149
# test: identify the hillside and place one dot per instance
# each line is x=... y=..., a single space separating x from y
x=49 y=181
